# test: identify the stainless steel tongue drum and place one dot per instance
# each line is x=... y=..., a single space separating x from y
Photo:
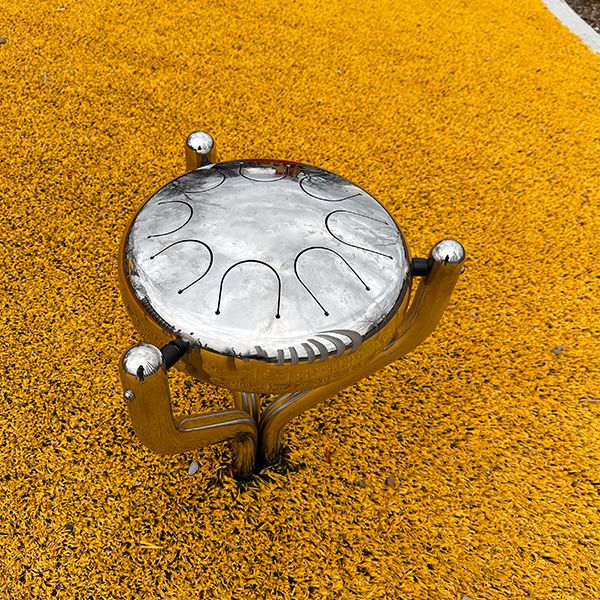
x=279 y=281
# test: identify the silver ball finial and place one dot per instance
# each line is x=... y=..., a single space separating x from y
x=201 y=142
x=142 y=361
x=199 y=150
x=448 y=251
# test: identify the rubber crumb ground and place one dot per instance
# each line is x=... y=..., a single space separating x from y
x=469 y=468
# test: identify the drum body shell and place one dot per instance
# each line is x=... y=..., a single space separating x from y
x=254 y=375
x=266 y=374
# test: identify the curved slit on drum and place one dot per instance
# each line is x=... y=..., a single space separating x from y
x=185 y=191
x=260 y=262
x=210 y=252
x=355 y=337
x=302 y=186
x=307 y=288
x=178 y=228
x=322 y=348
x=348 y=243
x=309 y=352
x=340 y=347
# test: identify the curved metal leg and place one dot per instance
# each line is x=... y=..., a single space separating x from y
x=144 y=377
x=277 y=415
x=430 y=301
x=248 y=401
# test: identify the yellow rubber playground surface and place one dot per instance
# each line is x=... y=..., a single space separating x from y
x=469 y=468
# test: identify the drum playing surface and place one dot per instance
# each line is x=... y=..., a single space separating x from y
x=267 y=259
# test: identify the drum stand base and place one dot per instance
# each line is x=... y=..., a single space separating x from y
x=256 y=433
